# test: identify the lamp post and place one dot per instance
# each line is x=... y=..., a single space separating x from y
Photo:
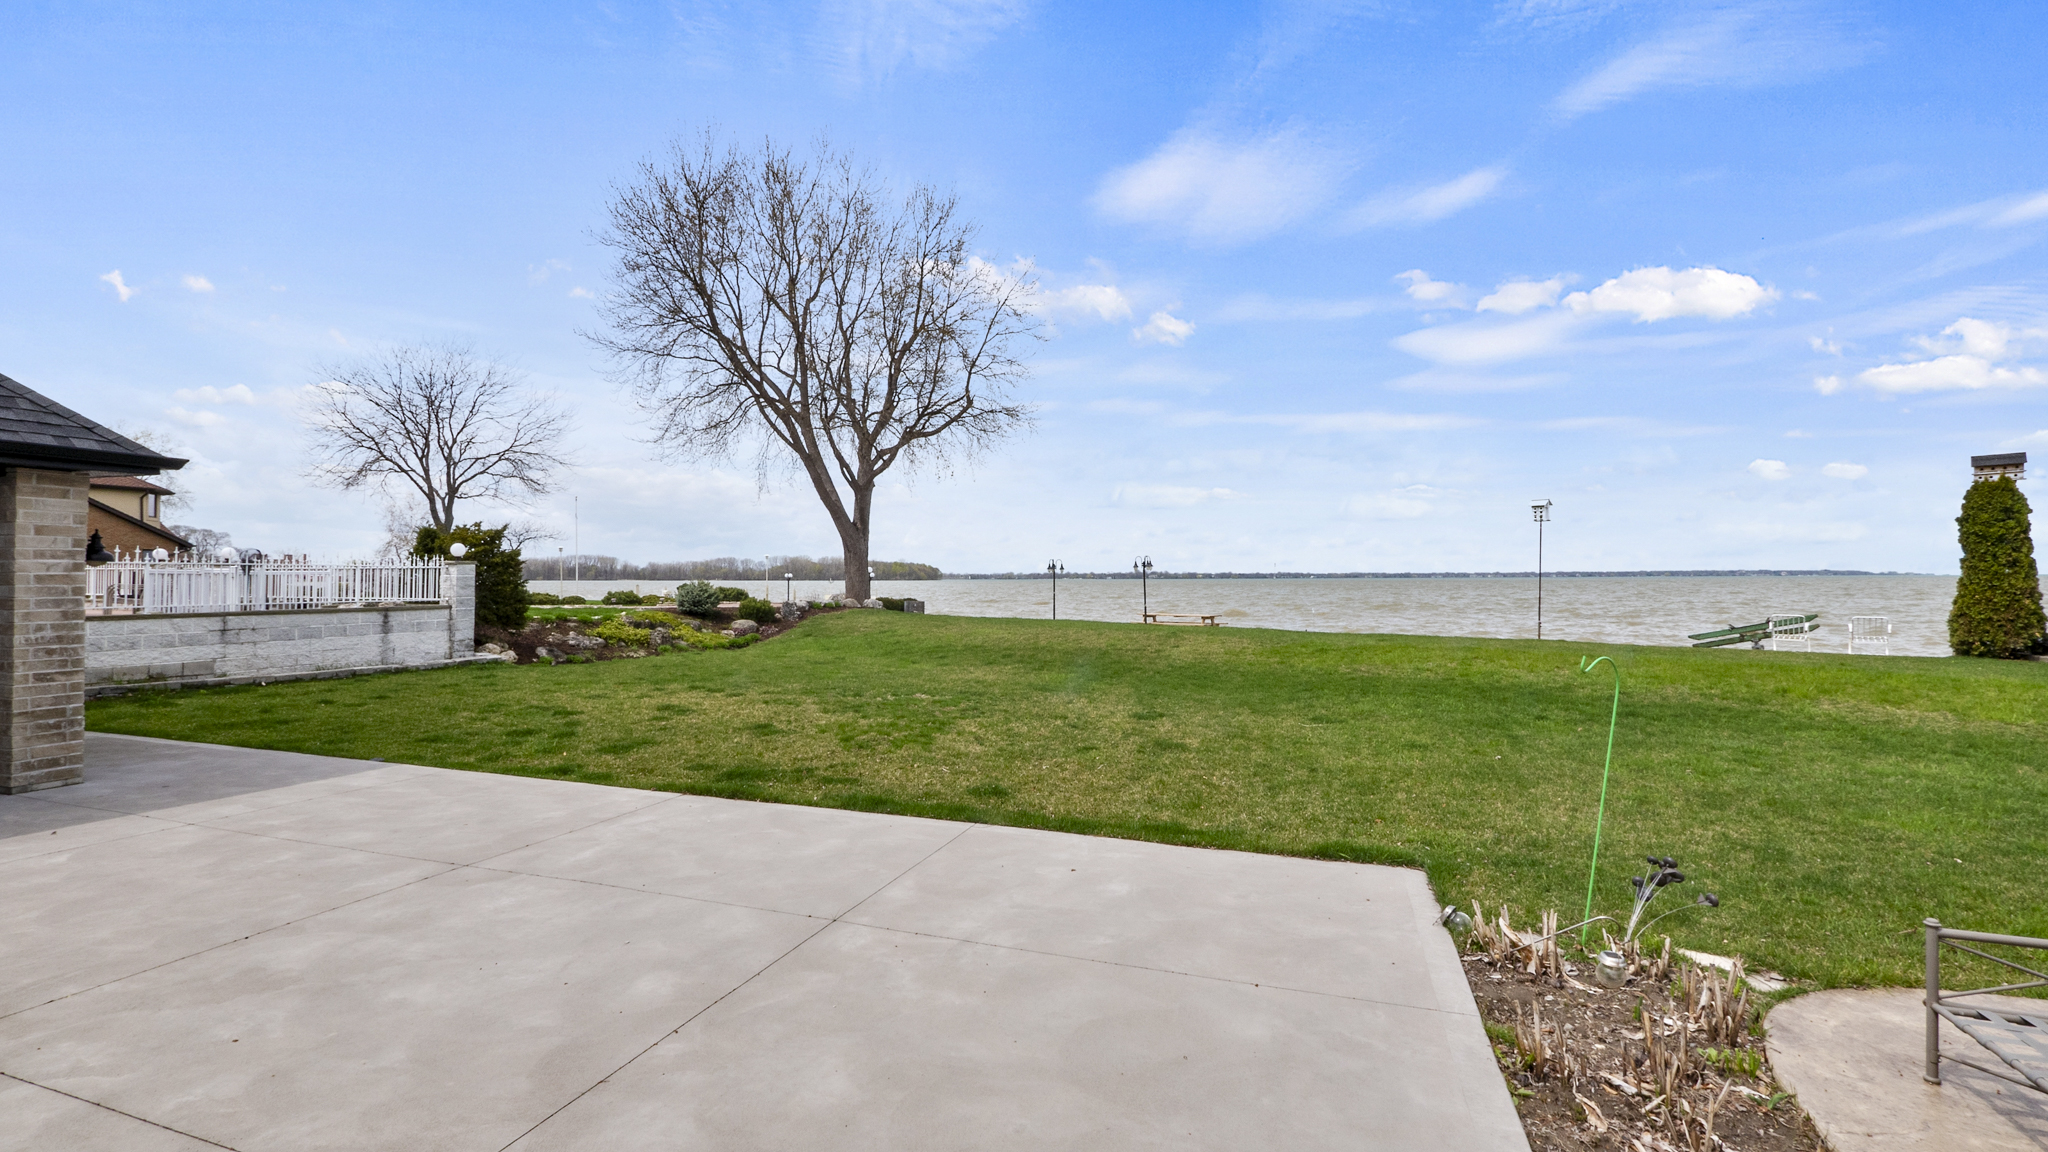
x=1053 y=568
x=786 y=578
x=1143 y=567
x=1542 y=512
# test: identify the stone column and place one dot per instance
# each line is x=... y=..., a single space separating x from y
x=461 y=593
x=42 y=628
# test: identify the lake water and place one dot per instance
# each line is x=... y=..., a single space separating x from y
x=1614 y=609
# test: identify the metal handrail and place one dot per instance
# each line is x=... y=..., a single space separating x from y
x=1935 y=998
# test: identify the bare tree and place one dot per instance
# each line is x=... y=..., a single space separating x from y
x=439 y=421
x=761 y=299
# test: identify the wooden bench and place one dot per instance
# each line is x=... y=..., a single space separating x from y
x=1182 y=618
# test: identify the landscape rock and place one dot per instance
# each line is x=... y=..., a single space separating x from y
x=661 y=636
x=578 y=640
x=916 y=606
x=546 y=654
x=871 y=603
x=492 y=649
x=745 y=628
x=790 y=610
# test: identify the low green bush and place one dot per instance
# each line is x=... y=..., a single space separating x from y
x=626 y=596
x=542 y=598
x=892 y=603
x=574 y=600
x=697 y=599
x=759 y=611
x=620 y=632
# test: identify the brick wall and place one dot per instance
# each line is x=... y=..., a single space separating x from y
x=42 y=628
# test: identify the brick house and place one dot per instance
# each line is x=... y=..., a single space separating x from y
x=127 y=513
x=48 y=458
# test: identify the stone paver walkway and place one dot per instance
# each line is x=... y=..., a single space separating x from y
x=1854 y=1056
x=216 y=947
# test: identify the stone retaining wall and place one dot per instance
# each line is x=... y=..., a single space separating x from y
x=206 y=648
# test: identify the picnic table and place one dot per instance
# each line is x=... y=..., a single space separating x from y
x=1194 y=619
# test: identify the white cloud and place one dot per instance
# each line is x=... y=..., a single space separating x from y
x=198 y=283
x=1170 y=496
x=1222 y=192
x=200 y=419
x=1822 y=344
x=1968 y=357
x=1490 y=341
x=2026 y=211
x=1843 y=471
x=1827 y=385
x=1770 y=469
x=1422 y=288
x=1429 y=204
x=539 y=273
x=121 y=287
x=872 y=38
x=1365 y=422
x=580 y=293
x=1163 y=328
x=1105 y=301
x=1743 y=45
x=1798 y=434
x=1518 y=296
x=1661 y=293
x=234 y=394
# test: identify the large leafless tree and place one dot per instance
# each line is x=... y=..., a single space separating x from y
x=440 y=422
x=793 y=305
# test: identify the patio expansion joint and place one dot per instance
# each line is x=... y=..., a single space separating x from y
x=118 y=1112
x=445 y=870
x=756 y=974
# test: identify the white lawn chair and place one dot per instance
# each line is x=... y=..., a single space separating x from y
x=1872 y=630
x=1786 y=626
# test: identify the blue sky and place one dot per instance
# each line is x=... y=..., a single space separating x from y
x=1327 y=287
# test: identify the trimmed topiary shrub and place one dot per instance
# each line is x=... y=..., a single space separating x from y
x=892 y=603
x=621 y=596
x=500 y=574
x=1997 y=610
x=542 y=598
x=574 y=600
x=759 y=611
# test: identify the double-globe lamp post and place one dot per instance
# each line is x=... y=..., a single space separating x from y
x=1143 y=567
x=1053 y=568
x=1542 y=512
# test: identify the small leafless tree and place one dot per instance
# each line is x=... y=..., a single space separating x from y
x=789 y=304
x=439 y=421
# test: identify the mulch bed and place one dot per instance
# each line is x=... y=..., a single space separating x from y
x=1696 y=1080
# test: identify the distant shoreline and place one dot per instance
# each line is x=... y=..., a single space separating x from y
x=1530 y=575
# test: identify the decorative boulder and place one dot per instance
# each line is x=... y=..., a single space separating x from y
x=745 y=628
x=790 y=610
x=871 y=603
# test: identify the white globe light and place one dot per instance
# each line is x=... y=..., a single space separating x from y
x=458 y=550
x=160 y=554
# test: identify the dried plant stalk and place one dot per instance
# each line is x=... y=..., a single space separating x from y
x=1536 y=1052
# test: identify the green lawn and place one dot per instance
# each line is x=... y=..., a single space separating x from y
x=1831 y=801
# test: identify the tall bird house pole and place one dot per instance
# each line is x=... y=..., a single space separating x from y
x=1053 y=568
x=1542 y=511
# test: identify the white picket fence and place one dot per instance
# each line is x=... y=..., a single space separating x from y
x=270 y=585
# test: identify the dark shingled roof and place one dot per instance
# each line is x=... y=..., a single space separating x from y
x=1998 y=460
x=38 y=432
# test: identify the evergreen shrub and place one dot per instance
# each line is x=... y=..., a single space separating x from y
x=1997 y=610
x=501 y=598
x=759 y=611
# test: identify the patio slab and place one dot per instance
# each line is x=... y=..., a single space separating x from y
x=297 y=952
x=1854 y=1056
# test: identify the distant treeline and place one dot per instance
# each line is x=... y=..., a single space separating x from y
x=1531 y=575
x=722 y=568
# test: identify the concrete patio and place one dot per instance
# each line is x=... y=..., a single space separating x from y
x=217 y=947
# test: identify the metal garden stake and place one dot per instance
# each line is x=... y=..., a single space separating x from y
x=1613 y=718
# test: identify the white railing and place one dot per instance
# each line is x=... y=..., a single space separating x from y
x=270 y=585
